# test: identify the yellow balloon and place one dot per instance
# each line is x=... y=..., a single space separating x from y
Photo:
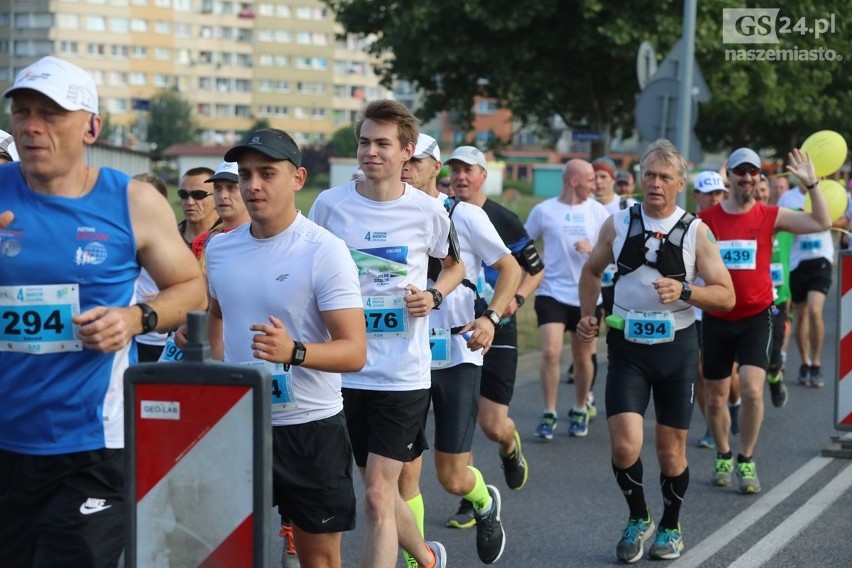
x=835 y=198
x=827 y=149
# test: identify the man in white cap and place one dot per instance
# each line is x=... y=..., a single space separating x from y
x=456 y=369
x=74 y=238
x=744 y=228
x=229 y=206
x=468 y=172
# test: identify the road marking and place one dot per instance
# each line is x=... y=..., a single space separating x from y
x=775 y=541
x=708 y=547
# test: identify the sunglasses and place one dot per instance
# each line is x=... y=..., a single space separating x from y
x=444 y=184
x=746 y=169
x=196 y=194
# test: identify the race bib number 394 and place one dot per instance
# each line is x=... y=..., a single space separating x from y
x=37 y=319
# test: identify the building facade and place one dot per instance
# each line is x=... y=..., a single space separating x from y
x=236 y=61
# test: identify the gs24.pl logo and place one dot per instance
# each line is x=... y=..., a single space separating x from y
x=764 y=25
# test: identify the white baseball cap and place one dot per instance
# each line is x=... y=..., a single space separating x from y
x=64 y=83
x=426 y=147
x=709 y=181
x=469 y=155
x=226 y=171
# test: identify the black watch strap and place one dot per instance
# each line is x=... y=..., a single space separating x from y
x=299 y=352
x=149 y=318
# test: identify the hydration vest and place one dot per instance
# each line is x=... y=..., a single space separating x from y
x=669 y=261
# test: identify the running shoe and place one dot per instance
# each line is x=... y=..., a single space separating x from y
x=804 y=374
x=722 y=474
x=590 y=406
x=439 y=552
x=515 y=466
x=579 y=423
x=815 y=377
x=747 y=472
x=490 y=538
x=707 y=441
x=668 y=545
x=633 y=537
x=463 y=518
x=777 y=390
x=570 y=376
x=547 y=426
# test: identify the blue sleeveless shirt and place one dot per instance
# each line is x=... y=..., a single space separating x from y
x=68 y=401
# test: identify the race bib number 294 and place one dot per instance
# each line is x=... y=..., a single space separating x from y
x=37 y=319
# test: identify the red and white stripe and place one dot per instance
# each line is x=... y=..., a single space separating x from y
x=194 y=478
x=844 y=348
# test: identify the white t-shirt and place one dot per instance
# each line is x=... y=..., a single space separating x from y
x=391 y=242
x=294 y=276
x=560 y=226
x=479 y=244
x=810 y=245
x=635 y=291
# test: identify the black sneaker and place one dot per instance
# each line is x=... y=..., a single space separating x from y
x=463 y=518
x=490 y=538
x=515 y=466
x=777 y=390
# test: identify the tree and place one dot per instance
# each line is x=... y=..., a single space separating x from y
x=576 y=59
x=343 y=143
x=171 y=120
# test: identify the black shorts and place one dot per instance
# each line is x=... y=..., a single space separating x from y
x=386 y=423
x=500 y=365
x=779 y=326
x=744 y=341
x=148 y=353
x=812 y=275
x=608 y=298
x=550 y=310
x=62 y=510
x=455 y=398
x=700 y=334
x=668 y=370
x=312 y=475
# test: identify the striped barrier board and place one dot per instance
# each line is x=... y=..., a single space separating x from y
x=199 y=463
x=843 y=393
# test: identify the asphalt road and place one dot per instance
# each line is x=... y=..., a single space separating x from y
x=571 y=512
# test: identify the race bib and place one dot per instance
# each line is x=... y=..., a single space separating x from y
x=776 y=273
x=440 y=343
x=739 y=255
x=37 y=319
x=385 y=316
x=810 y=243
x=171 y=352
x=608 y=276
x=282 y=384
x=649 y=327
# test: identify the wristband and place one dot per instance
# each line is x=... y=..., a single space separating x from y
x=813 y=185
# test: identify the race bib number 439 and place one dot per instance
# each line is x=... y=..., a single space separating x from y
x=37 y=319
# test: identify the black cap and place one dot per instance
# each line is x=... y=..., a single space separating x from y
x=271 y=142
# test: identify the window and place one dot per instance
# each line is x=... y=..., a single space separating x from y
x=162 y=53
x=95 y=49
x=242 y=111
x=68 y=48
x=282 y=11
x=486 y=106
x=119 y=51
x=205 y=83
x=138 y=25
x=310 y=88
x=183 y=29
x=33 y=48
x=117 y=105
x=33 y=21
x=282 y=36
x=96 y=23
x=242 y=85
x=162 y=80
x=64 y=21
x=137 y=78
x=138 y=51
x=183 y=5
x=244 y=59
x=223 y=84
x=162 y=27
x=244 y=34
x=303 y=38
x=276 y=111
x=203 y=109
x=274 y=86
x=117 y=79
x=163 y=3
x=119 y=25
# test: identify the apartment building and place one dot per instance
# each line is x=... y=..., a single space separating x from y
x=235 y=61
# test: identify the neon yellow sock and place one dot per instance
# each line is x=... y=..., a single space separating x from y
x=479 y=495
x=416 y=506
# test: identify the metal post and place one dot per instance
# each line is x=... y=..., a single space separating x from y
x=684 y=101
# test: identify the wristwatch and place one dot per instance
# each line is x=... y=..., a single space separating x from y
x=686 y=292
x=149 y=318
x=437 y=296
x=520 y=300
x=299 y=353
x=493 y=316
